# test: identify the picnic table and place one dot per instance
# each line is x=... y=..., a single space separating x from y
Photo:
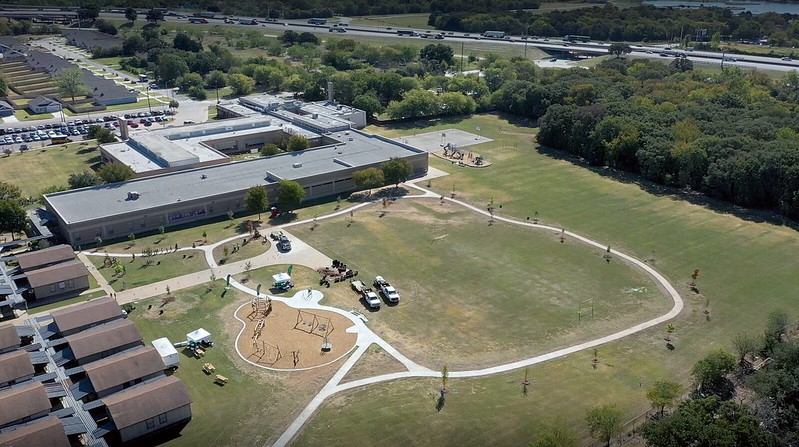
x=220 y=379
x=209 y=368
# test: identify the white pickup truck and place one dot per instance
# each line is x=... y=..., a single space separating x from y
x=371 y=298
x=388 y=290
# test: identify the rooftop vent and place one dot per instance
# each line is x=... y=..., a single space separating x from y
x=133 y=195
x=297 y=165
x=203 y=176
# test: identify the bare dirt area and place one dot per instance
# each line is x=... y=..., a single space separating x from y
x=284 y=338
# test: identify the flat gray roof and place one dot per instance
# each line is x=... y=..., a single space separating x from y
x=354 y=149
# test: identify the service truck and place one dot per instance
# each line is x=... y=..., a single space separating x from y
x=387 y=289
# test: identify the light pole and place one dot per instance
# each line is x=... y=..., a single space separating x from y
x=526 y=38
x=148 y=100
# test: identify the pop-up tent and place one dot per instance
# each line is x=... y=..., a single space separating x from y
x=282 y=281
x=198 y=336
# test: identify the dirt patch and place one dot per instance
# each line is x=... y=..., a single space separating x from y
x=284 y=338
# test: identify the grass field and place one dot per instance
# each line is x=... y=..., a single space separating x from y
x=255 y=405
x=742 y=258
x=138 y=273
x=477 y=47
x=34 y=170
x=25 y=115
x=460 y=292
x=245 y=251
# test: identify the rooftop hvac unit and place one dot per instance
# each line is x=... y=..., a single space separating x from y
x=297 y=165
x=133 y=195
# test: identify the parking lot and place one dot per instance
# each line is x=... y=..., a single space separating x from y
x=35 y=136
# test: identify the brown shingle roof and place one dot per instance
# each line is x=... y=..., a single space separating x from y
x=22 y=401
x=142 y=402
x=15 y=365
x=123 y=368
x=50 y=255
x=8 y=336
x=93 y=311
x=58 y=272
x=47 y=431
x=103 y=338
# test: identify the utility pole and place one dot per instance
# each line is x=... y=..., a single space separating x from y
x=462 y=43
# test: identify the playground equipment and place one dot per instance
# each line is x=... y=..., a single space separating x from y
x=256 y=333
x=260 y=308
x=263 y=349
x=453 y=152
x=313 y=324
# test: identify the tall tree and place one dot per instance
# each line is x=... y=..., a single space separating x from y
x=604 y=423
x=155 y=16
x=115 y=172
x=256 y=200
x=556 y=433
x=708 y=422
x=12 y=217
x=9 y=191
x=70 y=82
x=241 y=84
x=131 y=15
x=776 y=325
x=296 y=143
x=396 y=170
x=662 y=394
x=369 y=178
x=289 y=194
x=170 y=67
x=744 y=344
x=618 y=48
x=710 y=372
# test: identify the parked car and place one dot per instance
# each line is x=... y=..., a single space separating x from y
x=284 y=244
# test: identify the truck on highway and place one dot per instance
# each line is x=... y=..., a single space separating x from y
x=198 y=20
x=316 y=21
x=494 y=34
x=248 y=22
x=406 y=32
x=387 y=289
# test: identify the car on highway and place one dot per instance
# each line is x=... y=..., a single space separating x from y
x=786 y=58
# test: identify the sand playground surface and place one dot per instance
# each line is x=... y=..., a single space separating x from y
x=282 y=337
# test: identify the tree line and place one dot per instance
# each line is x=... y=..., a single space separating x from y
x=640 y=23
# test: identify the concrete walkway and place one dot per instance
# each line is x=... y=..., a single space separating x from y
x=303 y=254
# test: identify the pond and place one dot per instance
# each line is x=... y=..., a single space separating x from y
x=737 y=7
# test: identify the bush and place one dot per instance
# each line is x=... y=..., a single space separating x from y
x=197 y=93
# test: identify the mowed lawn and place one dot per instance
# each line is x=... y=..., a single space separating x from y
x=255 y=405
x=139 y=273
x=475 y=295
x=37 y=169
x=747 y=270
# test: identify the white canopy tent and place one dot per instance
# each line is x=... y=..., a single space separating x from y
x=198 y=336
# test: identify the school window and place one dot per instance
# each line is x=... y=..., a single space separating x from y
x=130 y=225
x=62 y=285
x=71 y=283
x=151 y=423
x=52 y=288
x=162 y=418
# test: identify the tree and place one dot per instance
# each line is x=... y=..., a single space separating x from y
x=50 y=190
x=70 y=82
x=369 y=103
x=556 y=433
x=115 y=172
x=12 y=217
x=744 y=345
x=682 y=64
x=215 y=79
x=90 y=12
x=776 y=325
x=369 y=178
x=131 y=15
x=437 y=52
x=415 y=103
x=296 y=143
x=663 y=394
x=396 y=170
x=269 y=150
x=707 y=422
x=710 y=372
x=240 y=84
x=604 y=423
x=9 y=191
x=105 y=27
x=82 y=180
x=155 y=16
x=189 y=80
x=256 y=200
x=619 y=48
x=170 y=67
x=184 y=42
x=289 y=194
x=102 y=135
